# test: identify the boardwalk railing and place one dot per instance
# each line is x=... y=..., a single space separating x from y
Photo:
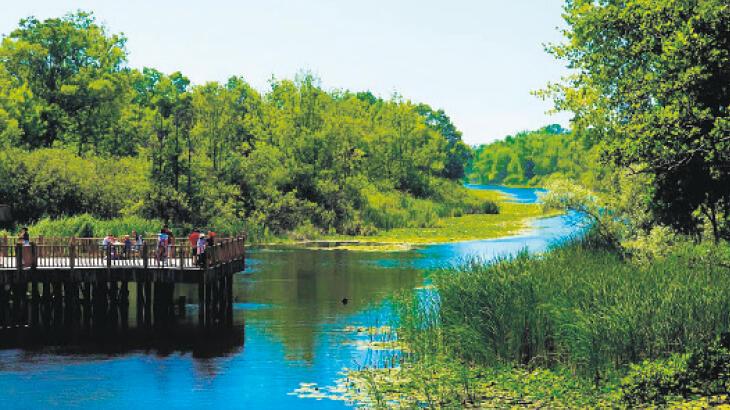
x=71 y=253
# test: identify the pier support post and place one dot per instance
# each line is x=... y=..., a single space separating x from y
x=201 y=300
x=148 y=303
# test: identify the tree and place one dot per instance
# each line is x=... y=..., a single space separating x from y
x=73 y=71
x=651 y=83
x=458 y=154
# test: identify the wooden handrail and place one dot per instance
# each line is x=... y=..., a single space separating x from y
x=74 y=253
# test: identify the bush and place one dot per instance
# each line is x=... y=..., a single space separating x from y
x=703 y=372
x=55 y=183
x=655 y=382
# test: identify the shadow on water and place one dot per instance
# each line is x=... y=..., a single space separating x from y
x=181 y=338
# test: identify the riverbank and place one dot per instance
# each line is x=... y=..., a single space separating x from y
x=513 y=218
x=578 y=326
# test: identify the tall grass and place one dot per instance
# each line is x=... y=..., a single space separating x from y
x=87 y=226
x=389 y=209
x=576 y=307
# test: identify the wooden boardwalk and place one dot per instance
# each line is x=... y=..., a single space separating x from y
x=82 y=280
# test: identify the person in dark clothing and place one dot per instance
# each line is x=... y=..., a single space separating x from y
x=25 y=237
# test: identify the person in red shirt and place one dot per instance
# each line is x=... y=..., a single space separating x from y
x=193 y=239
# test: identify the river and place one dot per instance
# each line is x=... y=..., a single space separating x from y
x=291 y=317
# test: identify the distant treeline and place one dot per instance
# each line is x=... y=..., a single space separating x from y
x=531 y=157
x=81 y=132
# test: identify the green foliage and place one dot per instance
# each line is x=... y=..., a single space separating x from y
x=581 y=308
x=71 y=72
x=87 y=226
x=655 y=382
x=533 y=158
x=104 y=139
x=393 y=209
x=703 y=372
x=648 y=83
x=55 y=182
x=575 y=327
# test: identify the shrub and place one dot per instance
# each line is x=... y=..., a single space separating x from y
x=655 y=381
x=703 y=372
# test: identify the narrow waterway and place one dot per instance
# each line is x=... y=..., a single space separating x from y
x=293 y=315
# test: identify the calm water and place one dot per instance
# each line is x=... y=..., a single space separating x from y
x=289 y=328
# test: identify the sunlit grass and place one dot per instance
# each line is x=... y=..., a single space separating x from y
x=512 y=219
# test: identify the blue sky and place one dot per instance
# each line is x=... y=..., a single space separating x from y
x=476 y=59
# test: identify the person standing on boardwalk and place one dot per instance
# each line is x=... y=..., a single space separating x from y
x=201 y=249
x=24 y=237
x=193 y=239
x=170 y=244
x=162 y=246
x=137 y=238
x=108 y=245
x=127 y=247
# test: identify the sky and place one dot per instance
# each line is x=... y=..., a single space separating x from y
x=477 y=59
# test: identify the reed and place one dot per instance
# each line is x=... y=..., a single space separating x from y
x=88 y=226
x=577 y=326
x=581 y=308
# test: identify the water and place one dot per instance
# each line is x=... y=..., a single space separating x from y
x=520 y=195
x=290 y=327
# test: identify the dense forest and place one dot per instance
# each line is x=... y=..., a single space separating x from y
x=83 y=133
x=534 y=157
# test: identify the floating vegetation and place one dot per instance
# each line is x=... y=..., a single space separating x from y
x=369 y=330
x=379 y=345
x=384 y=247
x=341 y=391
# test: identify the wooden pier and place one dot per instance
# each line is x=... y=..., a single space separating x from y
x=57 y=282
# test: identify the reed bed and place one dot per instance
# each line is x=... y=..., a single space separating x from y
x=577 y=307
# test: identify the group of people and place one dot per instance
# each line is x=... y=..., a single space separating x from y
x=198 y=242
x=128 y=244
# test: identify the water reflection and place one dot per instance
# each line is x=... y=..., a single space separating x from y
x=290 y=326
x=305 y=290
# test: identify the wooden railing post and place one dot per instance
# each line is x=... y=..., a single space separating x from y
x=72 y=254
x=207 y=254
x=181 y=252
x=33 y=256
x=19 y=256
x=145 y=262
x=108 y=252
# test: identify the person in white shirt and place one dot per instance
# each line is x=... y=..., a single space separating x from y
x=201 y=249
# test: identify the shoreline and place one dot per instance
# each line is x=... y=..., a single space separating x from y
x=357 y=244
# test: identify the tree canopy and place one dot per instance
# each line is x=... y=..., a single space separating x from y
x=651 y=82
x=533 y=157
x=81 y=132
